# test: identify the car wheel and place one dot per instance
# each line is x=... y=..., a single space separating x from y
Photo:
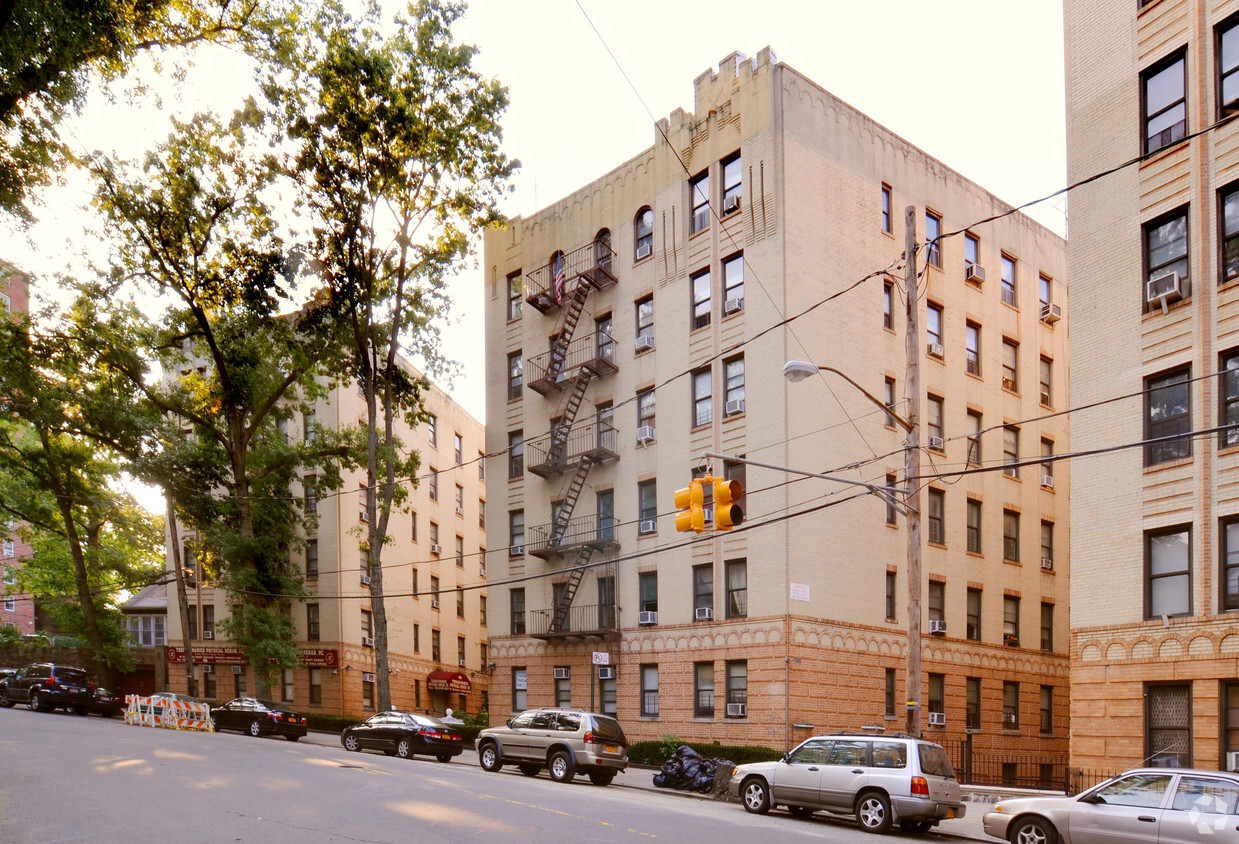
x=292 y=738
x=489 y=758
x=5 y=702
x=800 y=811
x=916 y=827
x=404 y=749
x=756 y=795
x=601 y=777
x=531 y=770
x=255 y=729
x=561 y=767
x=873 y=812
x=350 y=743
x=1033 y=831
x=33 y=703
x=444 y=757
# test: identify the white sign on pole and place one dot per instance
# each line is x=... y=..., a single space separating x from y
x=602 y=658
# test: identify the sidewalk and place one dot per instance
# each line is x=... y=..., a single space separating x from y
x=967 y=828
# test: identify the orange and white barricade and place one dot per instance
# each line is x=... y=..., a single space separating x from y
x=168 y=713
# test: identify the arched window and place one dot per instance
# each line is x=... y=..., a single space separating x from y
x=643 y=228
x=602 y=249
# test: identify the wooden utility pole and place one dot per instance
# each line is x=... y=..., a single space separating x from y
x=912 y=475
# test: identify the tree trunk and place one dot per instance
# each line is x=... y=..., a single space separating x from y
x=182 y=600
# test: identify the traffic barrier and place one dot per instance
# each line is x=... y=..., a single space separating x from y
x=167 y=713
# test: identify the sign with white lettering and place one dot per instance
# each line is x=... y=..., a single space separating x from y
x=602 y=658
x=800 y=592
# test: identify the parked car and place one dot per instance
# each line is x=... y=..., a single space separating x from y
x=106 y=703
x=566 y=741
x=882 y=780
x=259 y=718
x=404 y=734
x=1140 y=805
x=46 y=686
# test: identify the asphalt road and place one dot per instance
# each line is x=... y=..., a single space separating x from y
x=70 y=778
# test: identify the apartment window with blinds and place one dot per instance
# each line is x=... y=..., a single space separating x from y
x=1011 y=535
x=703 y=398
x=701 y=289
x=1168 y=417
x=972 y=348
x=649 y=690
x=1007 y=282
x=699 y=198
x=974 y=526
x=1168 y=572
x=1163 y=92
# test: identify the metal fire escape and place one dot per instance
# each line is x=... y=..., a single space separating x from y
x=570 y=366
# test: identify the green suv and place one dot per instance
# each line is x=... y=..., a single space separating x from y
x=566 y=742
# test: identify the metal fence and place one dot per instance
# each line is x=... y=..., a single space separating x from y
x=1019 y=769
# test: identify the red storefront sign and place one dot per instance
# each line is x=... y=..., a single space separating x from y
x=448 y=681
x=228 y=655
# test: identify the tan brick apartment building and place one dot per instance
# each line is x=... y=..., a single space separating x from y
x=644 y=321
x=1154 y=268
x=17 y=609
x=433 y=575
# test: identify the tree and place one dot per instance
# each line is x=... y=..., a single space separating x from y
x=50 y=49
x=398 y=153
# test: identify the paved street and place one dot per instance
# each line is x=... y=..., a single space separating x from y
x=85 y=779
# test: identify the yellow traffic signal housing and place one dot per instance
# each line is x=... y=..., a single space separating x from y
x=727 y=514
x=690 y=502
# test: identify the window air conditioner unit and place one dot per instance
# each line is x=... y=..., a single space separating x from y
x=1047 y=563
x=1047 y=481
x=737 y=710
x=974 y=273
x=518 y=551
x=1051 y=313
x=937 y=443
x=1232 y=760
x=365 y=580
x=1164 y=288
x=606 y=672
x=732 y=306
x=937 y=626
x=434 y=603
x=731 y=205
x=644 y=250
x=236 y=669
x=436 y=549
x=643 y=342
x=734 y=407
x=562 y=674
x=208 y=634
x=461 y=663
x=704 y=613
x=934 y=349
x=367 y=676
x=208 y=668
x=1008 y=720
x=647 y=617
x=646 y=434
x=460 y=511
x=367 y=642
x=482 y=572
x=1044 y=398
x=649 y=526
x=1011 y=472
x=1008 y=384
x=937 y=719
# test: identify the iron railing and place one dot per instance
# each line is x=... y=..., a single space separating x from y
x=593 y=530
x=558 y=452
x=582 y=620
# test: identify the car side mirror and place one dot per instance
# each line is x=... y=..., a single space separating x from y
x=509 y=722
x=786 y=757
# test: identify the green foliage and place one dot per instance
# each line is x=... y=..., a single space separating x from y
x=657 y=752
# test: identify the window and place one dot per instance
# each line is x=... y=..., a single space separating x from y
x=482 y=615
x=703 y=398
x=311 y=623
x=888 y=306
x=1043 y=290
x=367 y=624
x=563 y=687
x=482 y=514
x=434 y=536
x=1010 y=705
x=515 y=368
x=208 y=618
x=1011 y=620
x=889 y=400
x=311 y=495
x=1011 y=450
x=460 y=552
x=891 y=511
x=737 y=588
x=972 y=348
x=1229 y=218
x=933 y=328
x=1010 y=365
x=701 y=287
x=516 y=294
x=516 y=533
x=890 y=596
x=311 y=558
x=937 y=693
x=699 y=199
x=703 y=588
x=432 y=429
x=732 y=187
x=1168 y=724
x=933 y=422
x=1230 y=566
x=316 y=686
x=645 y=318
x=1227 y=50
x=733 y=284
x=520 y=689
x=972 y=251
x=1168 y=579
x=1047 y=545
x=974 y=526
x=11 y=606
x=647 y=588
x=643 y=233
x=516 y=602
x=738 y=681
x=645 y=408
x=974 y=436
x=1165 y=248
x=413 y=572
x=460 y=650
x=307 y=426
x=287 y=686
x=936 y=603
x=1163 y=90
x=1047 y=467
x=604 y=344
x=1044 y=382
x=459 y=448
x=1167 y=417
x=886 y=208
x=1010 y=535
x=460 y=500
x=972 y=628
x=481 y=466
x=733 y=384
x=417 y=638
x=1228 y=398
x=432 y=484
x=889 y=698
x=937 y=533
x=649 y=690
x=363 y=509
x=933 y=229
x=1047 y=628
x=1008 y=280
x=647 y=506
x=436 y=650
x=604 y=507
x=972 y=703
x=516 y=454
x=703 y=690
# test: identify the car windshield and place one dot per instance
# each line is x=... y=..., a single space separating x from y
x=934 y=761
x=71 y=675
x=274 y=707
x=424 y=720
x=609 y=729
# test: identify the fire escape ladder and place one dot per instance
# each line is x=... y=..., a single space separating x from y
x=559 y=349
x=574 y=580
x=570 y=498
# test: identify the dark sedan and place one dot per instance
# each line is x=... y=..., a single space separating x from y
x=106 y=703
x=404 y=734
x=259 y=718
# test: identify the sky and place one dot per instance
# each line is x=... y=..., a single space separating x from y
x=977 y=84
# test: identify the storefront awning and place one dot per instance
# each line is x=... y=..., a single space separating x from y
x=448 y=681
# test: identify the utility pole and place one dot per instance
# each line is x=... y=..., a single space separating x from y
x=911 y=476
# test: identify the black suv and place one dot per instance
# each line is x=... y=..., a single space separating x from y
x=45 y=686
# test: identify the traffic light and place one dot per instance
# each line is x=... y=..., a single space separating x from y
x=689 y=502
x=727 y=514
